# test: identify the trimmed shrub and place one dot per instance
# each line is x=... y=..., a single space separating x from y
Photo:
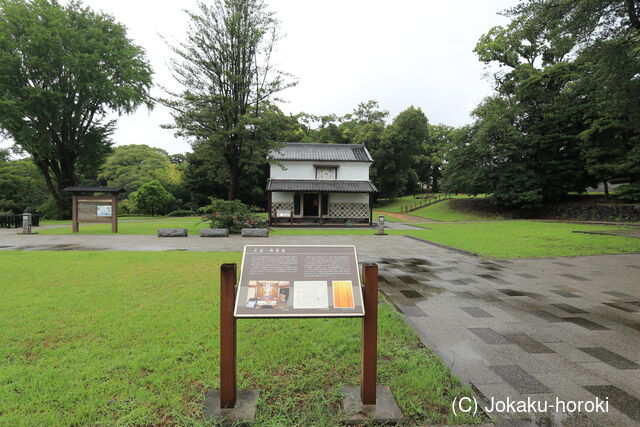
x=232 y=215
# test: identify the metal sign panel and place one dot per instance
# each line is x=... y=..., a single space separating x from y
x=299 y=281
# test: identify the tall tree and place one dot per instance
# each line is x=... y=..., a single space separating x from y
x=398 y=151
x=228 y=79
x=62 y=70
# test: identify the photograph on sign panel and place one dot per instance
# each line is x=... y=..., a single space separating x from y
x=103 y=210
x=343 y=294
x=267 y=294
x=310 y=294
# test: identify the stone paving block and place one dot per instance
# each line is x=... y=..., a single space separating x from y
x=623 y=306
x=570 y=353
x=557 y=364
x=548 y=316
x=574 y=277
x=610 y=358
x=476 y=312
x=586 y=323
x=565 y=294
x=617 y=294
x=489 y=336
x=569 y=308
x=412 y=310
x=498 y=391
x=520 y=380
x=528 y=344
x=475 y=371
x=619 y=399
x=512 y=292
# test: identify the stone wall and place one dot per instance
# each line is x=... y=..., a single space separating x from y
x=619 y=213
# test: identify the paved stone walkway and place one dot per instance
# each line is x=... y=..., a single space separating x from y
x=539 y=328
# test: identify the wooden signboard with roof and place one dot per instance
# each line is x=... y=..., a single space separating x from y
x=87 y=207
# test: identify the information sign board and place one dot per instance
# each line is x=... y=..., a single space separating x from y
x=94 y=209
x=299 y=281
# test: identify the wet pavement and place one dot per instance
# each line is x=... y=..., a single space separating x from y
x=544 y=329
x=566 y=328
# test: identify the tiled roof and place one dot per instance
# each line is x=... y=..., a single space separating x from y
x=312 y=151
x=320 y=185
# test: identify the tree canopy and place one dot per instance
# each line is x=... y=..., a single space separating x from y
x=229 y=82
x=130 y=166
x=63 y=68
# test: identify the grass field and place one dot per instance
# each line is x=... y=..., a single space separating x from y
x=149 y=226
x=112 y=338
x=525 y=239
x=442 y=211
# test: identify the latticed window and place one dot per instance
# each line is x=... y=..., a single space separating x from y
x=326 y=173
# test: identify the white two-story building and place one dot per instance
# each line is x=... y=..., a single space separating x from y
x=320 y=183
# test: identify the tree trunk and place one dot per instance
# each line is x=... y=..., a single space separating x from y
x=606 y=188
x=233 y=181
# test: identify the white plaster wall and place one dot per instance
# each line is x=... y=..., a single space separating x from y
x=349 y=171
x=281 y=197
x=348 y=198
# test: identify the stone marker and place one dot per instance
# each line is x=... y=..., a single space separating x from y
x=26 y=223
x=172 y=232
x=381 y=226
x=214 y=232
x=255 y=232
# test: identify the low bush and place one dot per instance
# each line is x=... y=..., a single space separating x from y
x=232 y=215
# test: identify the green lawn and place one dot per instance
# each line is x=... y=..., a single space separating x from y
x=525 y=239
x=143 y=226
x=442 y=211
x=394 y=205
x=113 y=338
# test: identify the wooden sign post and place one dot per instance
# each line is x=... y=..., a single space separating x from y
x=227 y=336
x=272 y=298
x=88 y=208
x=369 y=369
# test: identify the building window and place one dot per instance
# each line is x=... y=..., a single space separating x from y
x=326 y=173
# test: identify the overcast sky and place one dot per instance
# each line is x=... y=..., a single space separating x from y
x=400 y=53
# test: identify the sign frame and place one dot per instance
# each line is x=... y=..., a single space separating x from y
x=358 y=297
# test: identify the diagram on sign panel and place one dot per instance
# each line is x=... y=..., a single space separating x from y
x=310 y=294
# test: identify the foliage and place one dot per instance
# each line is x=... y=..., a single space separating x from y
x=22 y=188
x=152 y=198
x=130 y=166
x=629 y=193
x=225 y=67
x=63 y=70
x=399 y=149
x=232 y=215
x=565 y=113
